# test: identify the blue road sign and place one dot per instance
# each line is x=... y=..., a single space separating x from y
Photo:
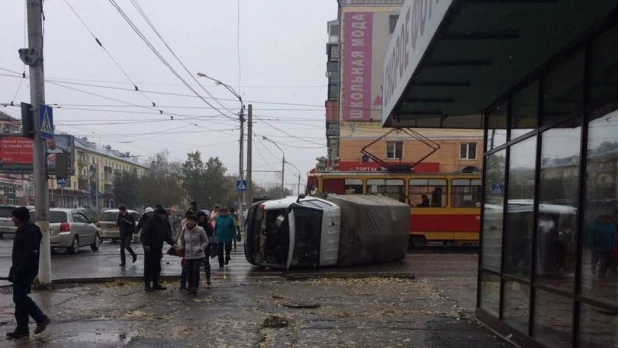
x=46 y=121
x=241 y=185
x=497 y=189
x=61 y=182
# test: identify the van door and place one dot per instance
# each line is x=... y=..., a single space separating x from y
x=307 y=235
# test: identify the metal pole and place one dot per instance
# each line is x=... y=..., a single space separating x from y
x=250 y=155
x=241 y=160
x=37 y=96
x=283 y=177
x=298 y=185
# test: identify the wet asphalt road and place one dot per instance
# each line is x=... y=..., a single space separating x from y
x=331 y=307
x=86 y=264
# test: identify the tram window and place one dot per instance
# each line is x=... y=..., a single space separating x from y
x=392 y=188
x=466 y=193
x=336 y=186
x=425 y=193
x=353 y=186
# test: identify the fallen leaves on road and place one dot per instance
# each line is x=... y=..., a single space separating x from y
x=275 y=322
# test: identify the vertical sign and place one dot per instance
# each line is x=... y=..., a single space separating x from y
x=357 y=63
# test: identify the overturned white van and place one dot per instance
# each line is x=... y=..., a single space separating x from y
x=315 y=232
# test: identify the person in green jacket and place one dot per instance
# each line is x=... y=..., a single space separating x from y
x=225 y=232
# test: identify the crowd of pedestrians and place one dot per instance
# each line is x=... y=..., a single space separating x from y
x=203 y=235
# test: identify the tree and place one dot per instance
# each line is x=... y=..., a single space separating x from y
x=274 y=191
x=207 y=183
x=127 y=188
x=161 y=184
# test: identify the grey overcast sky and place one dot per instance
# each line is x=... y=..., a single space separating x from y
x=282 y=73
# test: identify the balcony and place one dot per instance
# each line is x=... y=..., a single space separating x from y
x=332 y=129
x=83 y=184
x=109 y=179
x=82 y=163
x=333 y=92
x=332 y=51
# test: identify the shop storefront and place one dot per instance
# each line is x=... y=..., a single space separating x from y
x=541 y=78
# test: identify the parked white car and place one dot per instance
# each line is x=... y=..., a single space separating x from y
x=70 y=229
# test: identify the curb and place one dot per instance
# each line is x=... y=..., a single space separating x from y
x=282 y=275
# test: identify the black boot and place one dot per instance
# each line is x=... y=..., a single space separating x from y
x=157 y=286
x=17 y=334
x=40 y=327
x=148 y=288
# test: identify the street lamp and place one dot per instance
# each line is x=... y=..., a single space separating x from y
x=241 y=154
x=282 y=166
x=298 y=186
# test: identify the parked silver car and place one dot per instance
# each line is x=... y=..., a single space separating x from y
x=7 y=229
x=70 y=229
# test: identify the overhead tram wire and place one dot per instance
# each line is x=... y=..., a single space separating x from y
x=161 y=58
x=141 y=11
x=319 y=107
x=154 y=105
x=288 y=134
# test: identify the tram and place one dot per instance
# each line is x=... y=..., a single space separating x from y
x=444 y=207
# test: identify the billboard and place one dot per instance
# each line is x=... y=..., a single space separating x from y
x=16 y=153
x=365 y=37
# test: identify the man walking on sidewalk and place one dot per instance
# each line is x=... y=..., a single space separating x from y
x=225 y=232
x=126 y=225
x=155 y=232
x=25 y=268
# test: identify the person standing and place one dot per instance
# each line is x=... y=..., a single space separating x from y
x=213 y=215
x=156 y=231
x=193 y=241
x=126 y=225
x=225 y=232
x=602 y=244
x=147 y=213
x=237 y=224
x=192 y=209
x=24 y=269
x=203 y=221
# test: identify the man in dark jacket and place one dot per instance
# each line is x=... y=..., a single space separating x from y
x=126 y=225
x=156 y=231
x=26 y=248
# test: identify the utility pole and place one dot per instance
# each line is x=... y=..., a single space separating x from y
x=241 y=160
x=33 y=57
x=250 y=155
x=283 y=177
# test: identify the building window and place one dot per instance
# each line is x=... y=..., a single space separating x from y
x=394 y=150
x=392 y=23
x=467 y=151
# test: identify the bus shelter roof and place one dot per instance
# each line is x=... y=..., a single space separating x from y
x=449 y=61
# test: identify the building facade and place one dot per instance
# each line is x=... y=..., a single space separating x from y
x=93 y=183
x=541 y=79
x=358 y=41
x=94 y=168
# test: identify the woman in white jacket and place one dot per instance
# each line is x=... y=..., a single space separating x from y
x=193 y=242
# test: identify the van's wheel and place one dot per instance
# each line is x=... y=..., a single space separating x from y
x=417 y=242
x=95 y=245
x=74 y=246
x=114 y=240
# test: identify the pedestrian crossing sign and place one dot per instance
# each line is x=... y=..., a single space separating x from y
x=241 y=185
x=46 y=121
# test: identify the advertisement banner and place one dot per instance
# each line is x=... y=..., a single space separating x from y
x=353 y=166
x=357 y=66
x=16 y=153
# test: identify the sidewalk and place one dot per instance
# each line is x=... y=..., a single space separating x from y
x=370 y=312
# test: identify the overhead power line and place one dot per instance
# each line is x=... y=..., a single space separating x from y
x=161 y=58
